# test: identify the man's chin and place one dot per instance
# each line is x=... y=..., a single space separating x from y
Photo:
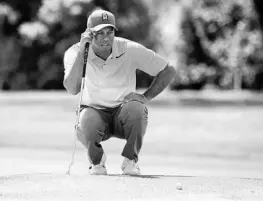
x=104 y=48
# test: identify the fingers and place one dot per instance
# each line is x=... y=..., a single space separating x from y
x=126 y=99
x=129 y=95
x=134 y=97
x=87 y=36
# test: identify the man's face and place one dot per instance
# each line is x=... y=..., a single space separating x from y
x=103 y=39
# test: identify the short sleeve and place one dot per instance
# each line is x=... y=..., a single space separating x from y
x=69 y=58
x=146 y=59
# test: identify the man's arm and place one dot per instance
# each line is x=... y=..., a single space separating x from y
x=72 y=79
x=160 y=82
x=152 y=64
x=74 y=64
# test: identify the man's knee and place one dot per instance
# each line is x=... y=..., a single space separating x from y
x=90 y=135
x=135 y=111
x=91 y=128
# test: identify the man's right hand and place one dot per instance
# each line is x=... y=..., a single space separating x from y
x=86 y=36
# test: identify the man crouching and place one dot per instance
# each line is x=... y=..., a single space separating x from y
x=110 y=105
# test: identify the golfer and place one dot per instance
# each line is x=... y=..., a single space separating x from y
x=110 y=105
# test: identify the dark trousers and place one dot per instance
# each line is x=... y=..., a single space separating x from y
x=128 y=122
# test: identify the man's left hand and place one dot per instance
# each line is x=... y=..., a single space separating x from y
x=135 y=97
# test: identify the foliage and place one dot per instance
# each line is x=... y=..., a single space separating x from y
x=223 y=36
x=37 y=33
x=209 y=41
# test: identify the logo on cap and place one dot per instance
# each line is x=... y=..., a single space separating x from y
x=104 y=16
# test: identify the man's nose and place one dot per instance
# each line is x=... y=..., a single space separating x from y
x=106 y=38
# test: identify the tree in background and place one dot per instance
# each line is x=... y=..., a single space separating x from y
x=222 y=44
x=258 y=83
x=10 y=50
x=211 y=42
x=36 y=34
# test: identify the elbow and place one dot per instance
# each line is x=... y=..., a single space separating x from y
x=171 y=71
x=69 y=87
x=73 y=92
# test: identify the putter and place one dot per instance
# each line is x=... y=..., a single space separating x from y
x=78 y=110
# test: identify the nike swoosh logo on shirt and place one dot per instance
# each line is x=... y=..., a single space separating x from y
x=119 y=55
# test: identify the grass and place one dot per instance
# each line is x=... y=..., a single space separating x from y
x=211 y=142
x=181 y=125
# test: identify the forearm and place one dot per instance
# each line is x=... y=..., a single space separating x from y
x=160 y=82
x=72 y=80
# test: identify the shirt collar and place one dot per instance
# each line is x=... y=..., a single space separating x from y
x=115 y=49
x=92 y=55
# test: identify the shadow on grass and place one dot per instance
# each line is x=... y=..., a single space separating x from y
x=150 y=176
x=49 y=175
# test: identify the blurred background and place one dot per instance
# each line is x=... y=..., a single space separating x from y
x=211 y=111
x=213 y=43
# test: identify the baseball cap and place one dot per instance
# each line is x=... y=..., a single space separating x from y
x=100 y=19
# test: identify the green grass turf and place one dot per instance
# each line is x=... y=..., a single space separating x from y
x=207 y=126
x=209 y=142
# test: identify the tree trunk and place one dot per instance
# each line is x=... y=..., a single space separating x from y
x=259 y=8
x=237 y=79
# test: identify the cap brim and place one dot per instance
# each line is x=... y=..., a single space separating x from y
x=101 y=26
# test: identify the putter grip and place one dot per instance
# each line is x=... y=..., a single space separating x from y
x=85 y=59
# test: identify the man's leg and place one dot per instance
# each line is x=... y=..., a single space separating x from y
x=93 y=126
x=131 y=122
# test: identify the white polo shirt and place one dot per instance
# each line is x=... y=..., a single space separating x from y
x=108 y=82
